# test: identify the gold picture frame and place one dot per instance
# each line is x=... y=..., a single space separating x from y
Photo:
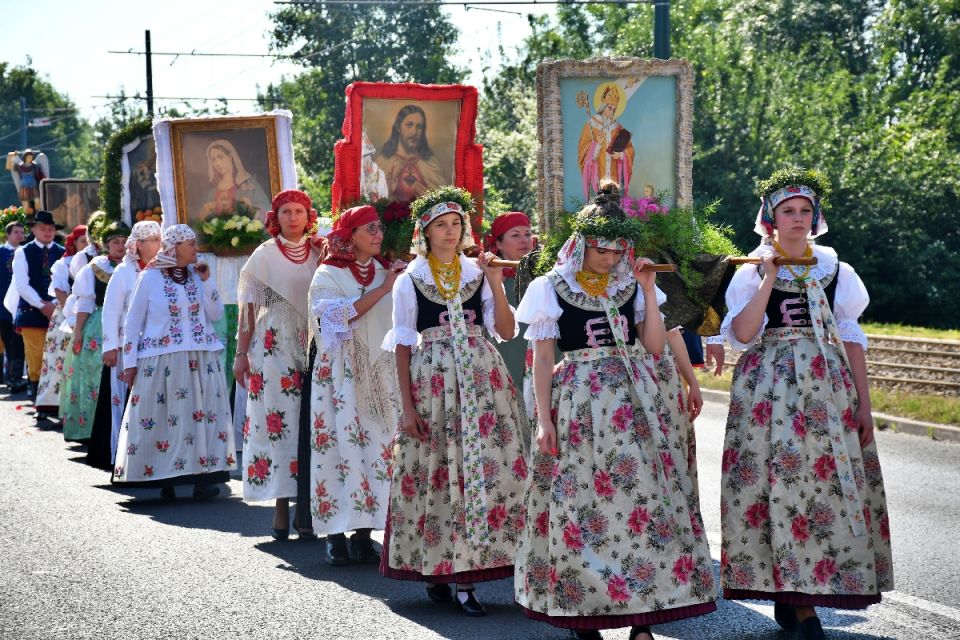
x=250 y=144
x=652 y=100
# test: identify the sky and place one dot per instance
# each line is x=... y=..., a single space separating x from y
x=68 y=42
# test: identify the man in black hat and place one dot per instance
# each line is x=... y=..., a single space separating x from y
x=31 y=270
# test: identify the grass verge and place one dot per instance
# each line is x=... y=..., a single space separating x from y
x=916 y=406
x=908 y=331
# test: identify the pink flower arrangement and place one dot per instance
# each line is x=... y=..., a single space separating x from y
x=642 y=208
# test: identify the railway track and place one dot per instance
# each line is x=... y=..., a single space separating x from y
x=916 y=365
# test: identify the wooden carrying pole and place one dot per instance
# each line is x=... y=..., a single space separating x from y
x=780 y=261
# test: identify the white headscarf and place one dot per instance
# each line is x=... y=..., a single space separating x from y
x=141 y=231
x=172 y=236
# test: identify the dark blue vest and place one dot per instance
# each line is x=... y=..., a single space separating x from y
x=6 y=275
x=38 y=270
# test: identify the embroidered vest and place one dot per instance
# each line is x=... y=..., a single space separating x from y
x=583 y=323
x=38 y=271
x=788 y=305
x=432 y=309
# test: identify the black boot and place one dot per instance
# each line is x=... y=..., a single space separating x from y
x=785 y=615
x=811 y=629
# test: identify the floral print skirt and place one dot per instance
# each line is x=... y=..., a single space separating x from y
x=792 y=462
x=351 y=453
x=272 y=424
x=55 y=349
x=81 y=388
x=603 y=545
x=177 y=423
x=426 y=531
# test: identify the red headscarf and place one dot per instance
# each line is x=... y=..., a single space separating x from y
x=71 y=242
x=284 y=197
x=501 y=224
x=340 y=246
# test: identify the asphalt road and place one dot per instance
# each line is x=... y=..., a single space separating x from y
x=80 y=559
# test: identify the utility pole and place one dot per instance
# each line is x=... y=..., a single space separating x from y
x=149 y=76
x=661 y=29
x=23 y=123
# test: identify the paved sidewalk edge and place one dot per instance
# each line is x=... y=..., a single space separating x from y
x=944 y=432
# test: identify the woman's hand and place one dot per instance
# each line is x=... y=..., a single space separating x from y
x=494 y=275
x=694 y=402
x=129 y=376
x=770 y=269
x=646 y=279
x=110 y=358
x=547 y=437
x=77 y=345
x=864 y=420
x=203 y=270
x=241 y=368
x=414 y=426
x=393 y=272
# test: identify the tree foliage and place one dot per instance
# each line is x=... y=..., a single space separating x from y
x=865 y=91
x=340 y=44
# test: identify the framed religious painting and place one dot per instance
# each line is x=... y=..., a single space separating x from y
x=70 y=201
x=139 y=197
x=625 y=119
x=401 y=140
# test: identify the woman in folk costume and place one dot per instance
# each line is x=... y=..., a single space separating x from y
x=511 y=238
x=355 y=398
x=611 y=539
x=272 y=361
x=142 y=245
x=177 y=427
x=57 y=344
x=91 y=248
x=456 y=498
x=81 y=405
x=803 y=508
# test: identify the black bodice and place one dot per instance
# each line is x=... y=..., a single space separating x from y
x=431 y=313
x=585 y=328
x=790 y=308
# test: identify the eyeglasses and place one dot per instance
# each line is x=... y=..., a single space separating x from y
x=373 y=228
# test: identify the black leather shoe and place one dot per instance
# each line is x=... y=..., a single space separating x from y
x=471 y=606
x=591 y=634
x=439 y=592
x=279 y=534
x=17 y=387
x=785 y=615
x=362 y=550
x=336 y=553
x=811 y=629
x=168 y=493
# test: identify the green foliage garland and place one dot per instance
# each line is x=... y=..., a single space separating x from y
x=794 y=176
x=444 y=194
x=111 y=190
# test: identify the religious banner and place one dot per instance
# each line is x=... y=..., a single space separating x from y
x=625 y=119
x=401 y=140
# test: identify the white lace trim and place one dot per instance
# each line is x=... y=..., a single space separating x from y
x=850 y=331
x=420 y=268
x=827 y=260
x=400 y=336
x=543 y=330
x=718 y=339
x=336 y=318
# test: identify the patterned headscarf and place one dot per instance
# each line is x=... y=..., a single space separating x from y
x=141 y=231
x=172 y=236
x=434 y=212
x=765 y=218
x=282 y=198
x=340 y=246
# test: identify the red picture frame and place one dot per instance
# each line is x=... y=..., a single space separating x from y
x=467 y=155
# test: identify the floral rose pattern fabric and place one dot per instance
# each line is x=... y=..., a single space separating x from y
x=55 y=348
x=78 y=402
x=177 y=420
x=272 y=423
x=786 y=526
x=601 y=538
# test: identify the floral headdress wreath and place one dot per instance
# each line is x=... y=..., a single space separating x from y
x=592 y=229
x=785 y=184
x=112 y=229
x=434 y=204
